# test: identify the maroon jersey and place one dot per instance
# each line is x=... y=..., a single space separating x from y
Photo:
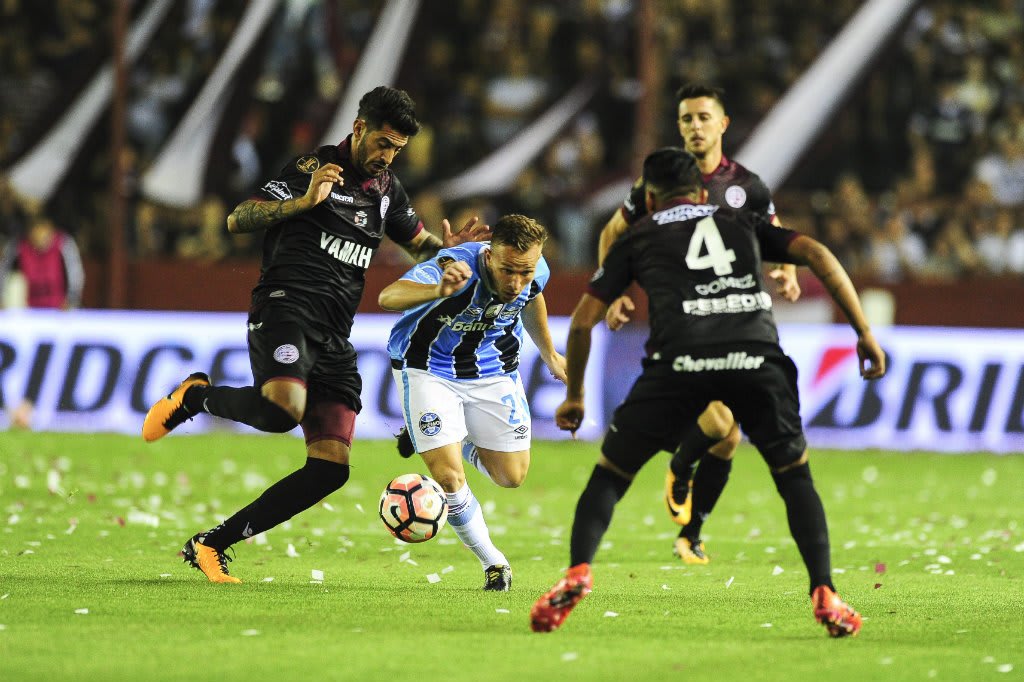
x=731 y=184
x=700 y=266
x=316 y=261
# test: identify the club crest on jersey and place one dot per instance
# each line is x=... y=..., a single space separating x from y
x=286 y=354
x=492 y=311
x=385 y=201
x=430 y=424
x=509 y=312
x=735 y=196
x=307 y=164
x=361 y=218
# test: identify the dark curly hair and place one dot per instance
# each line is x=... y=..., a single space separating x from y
x=389 y=105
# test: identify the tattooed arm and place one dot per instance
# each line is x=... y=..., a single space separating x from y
x=254 y=214
x=826 y=267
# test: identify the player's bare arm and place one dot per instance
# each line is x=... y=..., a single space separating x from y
x=426 y=245
x=535 y=320
x=826 y=267
x=618 y=311
x=589 y=311
x=255 y=214
x=404 y=294
x=784 y=276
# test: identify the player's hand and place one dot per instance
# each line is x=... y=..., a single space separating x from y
x=786 y=282
x=556 y=365
x=569 y=415
x=472 y=231
x=618 y=313
x=322 y=182
x=871 y=355
x=455 y=276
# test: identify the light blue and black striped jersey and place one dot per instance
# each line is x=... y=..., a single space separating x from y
x=469 y=334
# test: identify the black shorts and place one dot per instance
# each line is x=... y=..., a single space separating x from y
x=756 y=381
x=282 y=345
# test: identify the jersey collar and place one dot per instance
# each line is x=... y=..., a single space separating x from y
x=722 y=163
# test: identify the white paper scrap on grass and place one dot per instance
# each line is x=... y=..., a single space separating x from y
x=570 y=656
x=447 y=569
x=250 y=633
x=327 y=506
x=291 y=551
x=269 y=579
x=501 y=611
x=777 y=570
x=404 y=556
x=610 y=614
x=359 y=508
x=1004 y=668
x=82 y=612
x=433 y=578
x=317 y=574
x=728 y=583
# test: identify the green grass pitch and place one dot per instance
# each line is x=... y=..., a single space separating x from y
x=929 y=548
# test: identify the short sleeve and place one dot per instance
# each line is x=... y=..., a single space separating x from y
x=615 y=274
x=401 y=223
x=774 y=240
x=634 y=206
x=292 y=182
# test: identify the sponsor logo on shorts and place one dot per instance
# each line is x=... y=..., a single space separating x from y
x=735 y=196
x=286 y=354
x=732 y=361
x=385 y=201
x=307 y=164
x=430 y=424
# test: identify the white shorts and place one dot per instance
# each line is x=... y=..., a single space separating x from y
x=491 y=411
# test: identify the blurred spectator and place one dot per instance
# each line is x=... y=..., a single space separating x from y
x=51 y=277
x=50 y=264
x=299 y=42
x=1003 y=171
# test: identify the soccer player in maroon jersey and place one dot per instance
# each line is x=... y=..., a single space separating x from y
x=690 y=496
x=323 y=218
x=713 y=337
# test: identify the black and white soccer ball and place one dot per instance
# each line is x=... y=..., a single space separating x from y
x=413 y=507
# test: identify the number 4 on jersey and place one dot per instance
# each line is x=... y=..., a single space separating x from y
x=706 y=234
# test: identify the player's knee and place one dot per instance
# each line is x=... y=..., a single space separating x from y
x=511 y=476
x=792 y=478
x=275 y=419
x=449 y=478
x=716 y=421
x=726 y=448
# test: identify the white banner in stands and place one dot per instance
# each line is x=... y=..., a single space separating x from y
x=100 y=370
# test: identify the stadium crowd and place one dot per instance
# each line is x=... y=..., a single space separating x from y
x=920 y=175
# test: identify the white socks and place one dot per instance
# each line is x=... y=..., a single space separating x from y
x=467 y=520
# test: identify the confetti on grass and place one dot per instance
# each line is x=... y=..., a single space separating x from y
x=728 y=583
x=82 y=612
x=777 y=570
x=317 y=574
x=290 y=551
x=570 y=656
x=501 y=611
x=610 y=614
x=250 y=633
x=433 y=578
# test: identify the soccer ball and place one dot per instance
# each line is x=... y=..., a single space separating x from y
x=413 y=507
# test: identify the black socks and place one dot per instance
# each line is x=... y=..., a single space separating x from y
x=294 y=493
x=244 y=405
x=594 y=512
x=807 y=522
x=691 y=448
x=708 y=484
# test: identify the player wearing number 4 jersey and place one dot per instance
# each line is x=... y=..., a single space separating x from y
x=455 y=357
x=713 y=337
x=690 y=496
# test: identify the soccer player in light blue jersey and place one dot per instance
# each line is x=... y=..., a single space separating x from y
x=455 y=357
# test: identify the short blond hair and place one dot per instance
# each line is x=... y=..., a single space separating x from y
x=518 y=231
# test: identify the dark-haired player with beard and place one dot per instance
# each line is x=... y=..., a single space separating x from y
x=324 y=215
x=713 y=337
x=691 y=491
